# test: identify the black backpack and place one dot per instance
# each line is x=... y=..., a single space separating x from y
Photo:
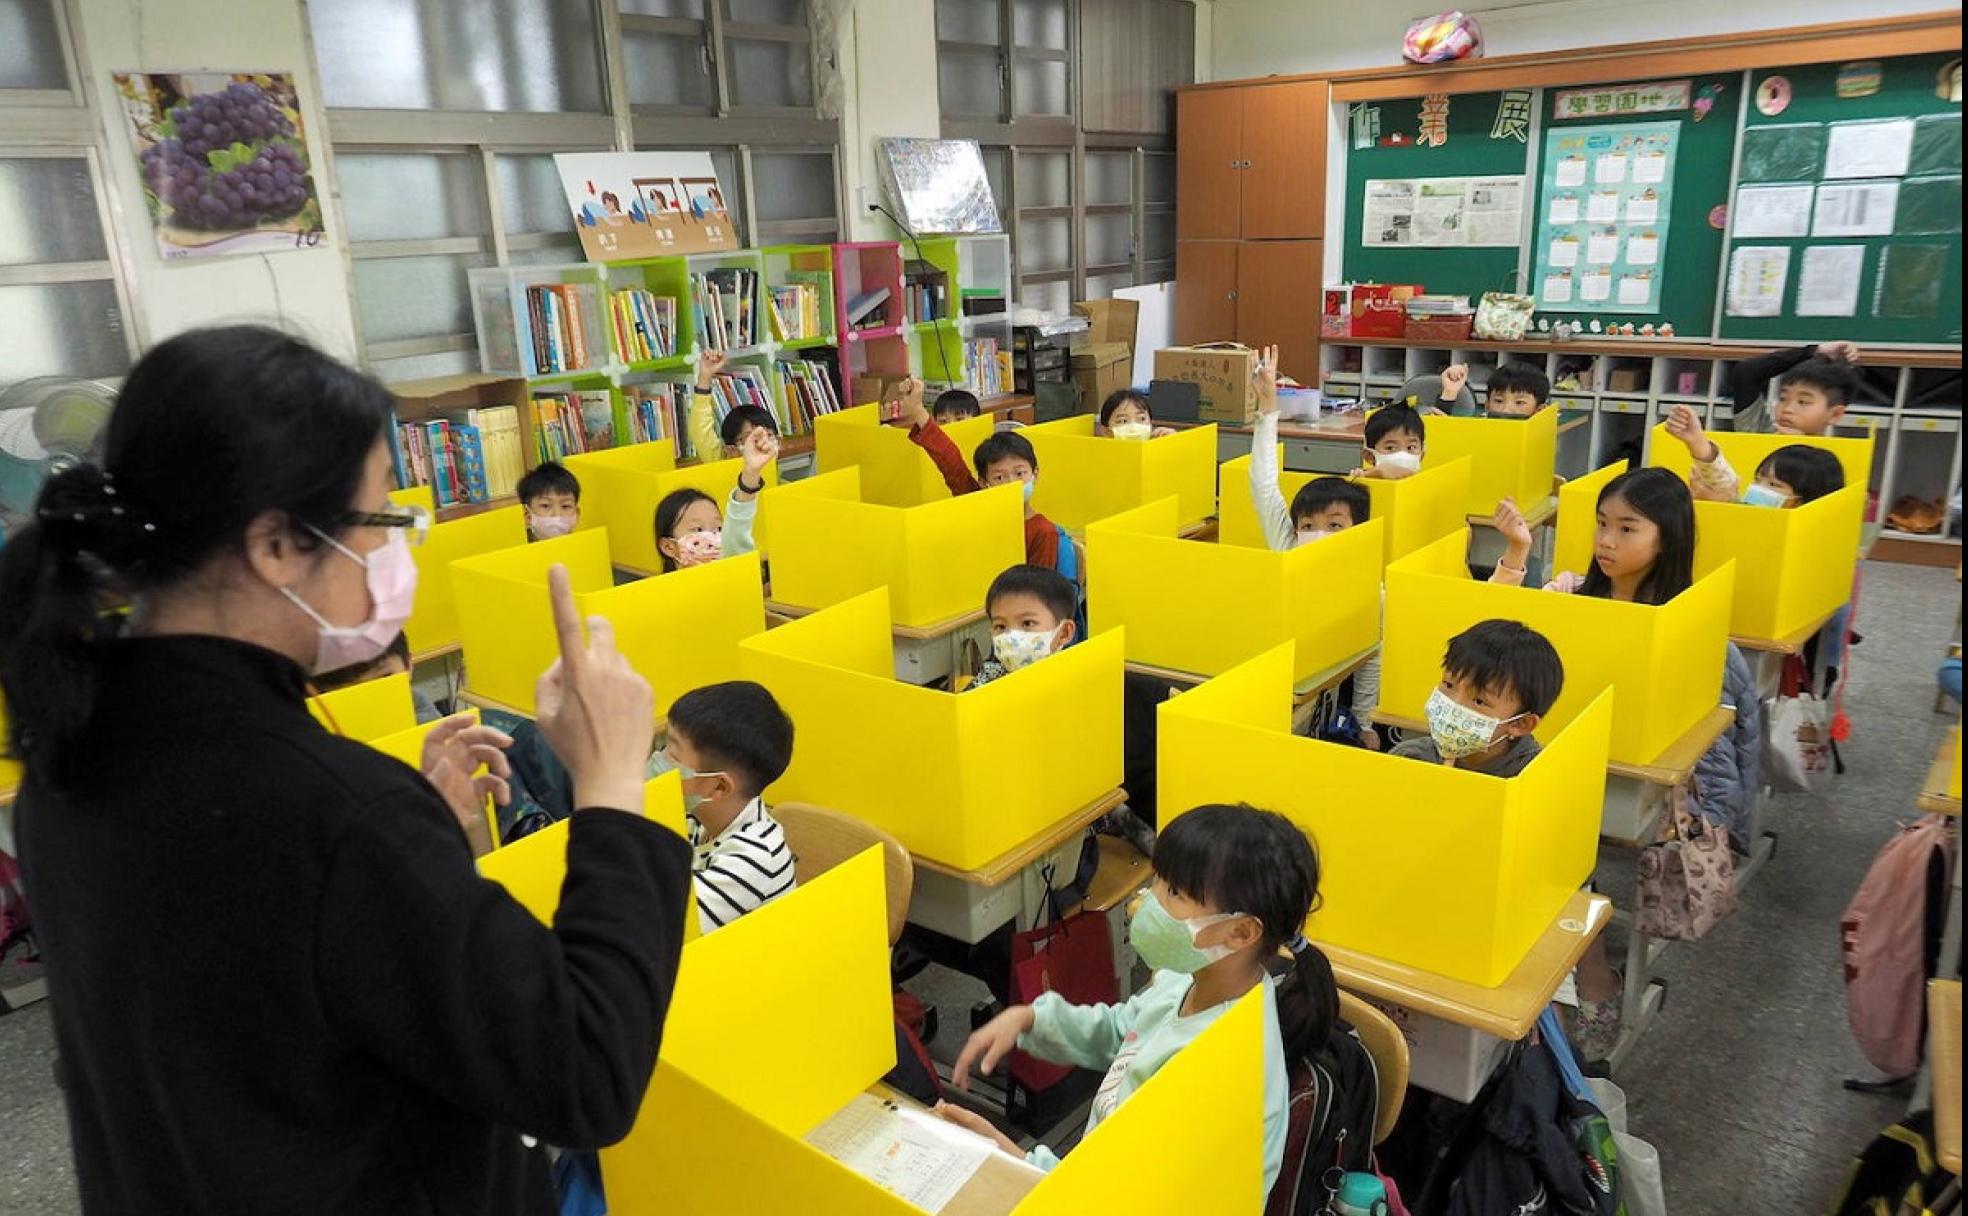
x=1332 y=1104
x=1896 y=1173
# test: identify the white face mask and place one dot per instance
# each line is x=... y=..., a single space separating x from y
x=1016 y=648
x=1306 y=538
x=1405 y=461
x=1132 y=430
x=547 y=527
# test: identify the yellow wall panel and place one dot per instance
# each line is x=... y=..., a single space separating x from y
x=1084 y=478
x=895 y=471
x=1507 y=458
x=681 y=630
x=368 y=710
x=505 y=619
x=433 y=621
x=1745 y=450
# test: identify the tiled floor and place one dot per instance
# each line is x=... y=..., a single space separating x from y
x=1737 y=1084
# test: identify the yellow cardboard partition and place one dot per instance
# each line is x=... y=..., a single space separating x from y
x=1436 y=868
x=433 y=623
x=368 y=710
x=10 y=770
x=533 y=867
x=1083 y=477
x=415 y=496
x=1578 y=519
x=1509 y=458
x=1794 y=567
x=1200 y=607
x=1415 y=509
x=1746 y=450
x=1665 y=663
x=679 y=630
x=930 y=766
x=620 y=488
x=895 y=471
x=1195 y=1128
x=937 y=560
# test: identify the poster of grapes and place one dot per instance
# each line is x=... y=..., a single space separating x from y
x=224 y=161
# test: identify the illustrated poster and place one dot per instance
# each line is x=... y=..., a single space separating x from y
x=645 y=204
x=1603 y=217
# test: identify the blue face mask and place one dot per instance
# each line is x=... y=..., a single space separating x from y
x=1763 y=496
x=1028 y=488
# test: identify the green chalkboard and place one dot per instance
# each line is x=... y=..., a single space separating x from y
x=1477 y=146
x=1692 y=260
x=1909 y=283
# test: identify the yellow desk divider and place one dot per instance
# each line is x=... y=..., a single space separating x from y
x=433 y=623
x=1437 y=868
x=937 y=560
x=895 y=472
x=1665 y=663
x=1578 y=520
x=1200 y=607
x=1517 y=459
x=930 y=766
x=620 y=488
x=10 y=770
x=407 y=745
x=415 y=496
x=715 y=1114
x=533 y=867
x=1083 y=477
x=368 y=710
x=1746 y=450
x=1415 y=509
x=680 y=630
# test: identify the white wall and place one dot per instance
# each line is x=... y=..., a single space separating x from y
x=304 y=291
x=888 y=87
x=1262 y=37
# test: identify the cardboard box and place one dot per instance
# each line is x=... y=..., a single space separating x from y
x=1626 y=380
x=1099 y=369
x=1222 y=374
x=1110 y=321
x=872 y=387
x=1380 y=310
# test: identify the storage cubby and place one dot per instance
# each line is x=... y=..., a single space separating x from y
x=541 y=322
x=725 y=292
x=799 y=284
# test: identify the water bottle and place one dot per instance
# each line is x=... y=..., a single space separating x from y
x=1360 y=1194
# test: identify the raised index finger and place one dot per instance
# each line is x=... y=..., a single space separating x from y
x=567 y=620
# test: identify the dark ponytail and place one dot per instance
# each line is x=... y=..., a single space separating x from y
x=1237 y=858
x=212 y=429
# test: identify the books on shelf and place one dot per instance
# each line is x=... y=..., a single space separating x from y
x=861 y=310
x=557 y=318
x=807 y=389
x=468 y=456
x=645 y=324
x=742 y=385
x=572 y=423
x=983 y=370
x=926 y=293
x=796 y=312
x=656 y=411
x=726 y=317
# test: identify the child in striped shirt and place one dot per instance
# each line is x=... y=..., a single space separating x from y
x=729 y=742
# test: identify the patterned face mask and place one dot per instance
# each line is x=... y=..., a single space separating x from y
x=1016 y=648
x=1458 y=730
x=698 y=548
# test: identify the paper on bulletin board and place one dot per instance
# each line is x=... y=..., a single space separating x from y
x=1762 y=212
x=1757 y=275
x=1869 y=149
x=1443 y=212
x=1606 y=200
x=1828 y=280
x=1855 y=209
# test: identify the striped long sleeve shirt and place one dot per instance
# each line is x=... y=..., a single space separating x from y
x=746 y=865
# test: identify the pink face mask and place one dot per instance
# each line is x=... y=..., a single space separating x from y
x=699 y=547
x=548 y=527
x=391 y=575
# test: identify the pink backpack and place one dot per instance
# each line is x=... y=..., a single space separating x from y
x=1884 y=939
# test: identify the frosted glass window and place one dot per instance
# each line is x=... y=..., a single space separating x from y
x=530 y=197
x=414 y=297
x=1055 y=297
x=1042 y=87
x=560 y=253
x=969 y=85
x=1158 y=236
x=411 y=196
x=1109 y=240
x=793 y=185
x=1039 y=23
x=766 y=12
x=62 y=329
x=968 y=21
x=1099 y=287
x=48 y=211
x=665 y=8
x=502 y=55
x=1158 y=178
x=1043 y=179
x=1109 y=178
x=30 y=46
x=1045 y=245
x=666 y=70
x=774 y=74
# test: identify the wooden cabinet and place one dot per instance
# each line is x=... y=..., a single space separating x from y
x=1259 y=293
x=1250 y=161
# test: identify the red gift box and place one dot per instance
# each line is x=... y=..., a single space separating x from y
x=1380 y=310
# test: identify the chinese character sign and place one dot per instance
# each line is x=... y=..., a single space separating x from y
x=1657 y=97
x=1513 y=120
x=1434 y=120
x=644 y=204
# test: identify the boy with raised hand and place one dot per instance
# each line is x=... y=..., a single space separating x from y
x=1002 y=459
x=1804 y=393
x=1321 y=507
x=713 y=440
x=1517 y=390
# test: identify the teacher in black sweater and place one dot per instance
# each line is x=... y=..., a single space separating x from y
x=279 y=984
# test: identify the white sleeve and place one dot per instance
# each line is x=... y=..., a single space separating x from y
x=1272 y=514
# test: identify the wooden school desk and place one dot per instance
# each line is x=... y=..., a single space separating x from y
x=1305 y=694
x=923 y=654
x=1944 y=1065
x=1457 y=1031
x=1330 y=445
x=969 y=905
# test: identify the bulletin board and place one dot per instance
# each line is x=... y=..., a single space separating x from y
x=1486 y=135
x=1884 y=248
x=1698 y=116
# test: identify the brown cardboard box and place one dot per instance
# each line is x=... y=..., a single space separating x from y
x=1626 y=380
x=1223 y=373
x=874 y=386
x=1099 y=369
x=1110 y=320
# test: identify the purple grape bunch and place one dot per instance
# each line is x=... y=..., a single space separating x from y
x=179 y=171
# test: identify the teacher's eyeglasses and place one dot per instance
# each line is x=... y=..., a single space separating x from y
x=414 y=520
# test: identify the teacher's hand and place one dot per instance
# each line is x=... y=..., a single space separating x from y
x=455 y=751
x=593 y=708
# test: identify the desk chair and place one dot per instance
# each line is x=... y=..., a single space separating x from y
x=1389 y=1050
x=821 y=839
x=1427 y=392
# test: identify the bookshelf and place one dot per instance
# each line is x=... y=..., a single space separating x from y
x=878 y=348
x=436 y=419
x=725 y=293
x=542 y=322
x=808 y=270
x=633 y=286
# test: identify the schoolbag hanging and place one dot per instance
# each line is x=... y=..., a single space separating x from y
x=1885 y=937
